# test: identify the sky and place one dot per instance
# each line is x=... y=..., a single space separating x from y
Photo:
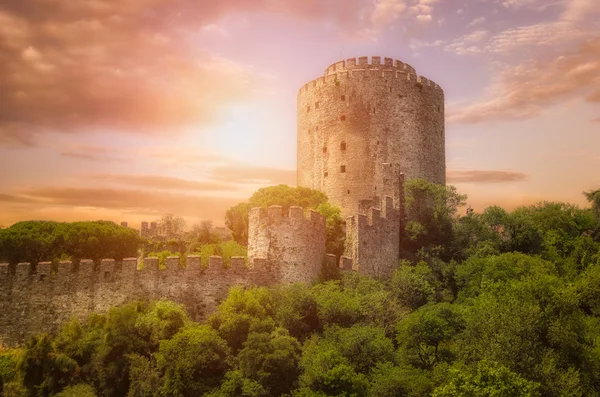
x=126 y=110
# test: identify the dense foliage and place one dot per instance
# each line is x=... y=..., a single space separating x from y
x=236 y=218
x=35 y=241
x=499 y=304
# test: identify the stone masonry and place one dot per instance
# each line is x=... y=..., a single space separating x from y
x=295 y=242
x=363 y=114
x=283 y=249
x=362 y=128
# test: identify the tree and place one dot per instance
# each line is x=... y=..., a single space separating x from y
x=271 y=359
x=204 y=233
x=144 y=378
x=430 y=209
x=81 y=390
x=413 y=285
x=426 y=336
x=244 y=311
x=171 y=226
x=389 y=380
x=490 y=379
x=193 y=362
x=593 y=196
x=35 y=241
x=44 y=370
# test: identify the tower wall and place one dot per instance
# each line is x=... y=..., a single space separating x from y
x=373 y=240
x=294 y=242
x=362 y=114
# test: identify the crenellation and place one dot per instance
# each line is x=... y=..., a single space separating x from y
x=23 y=271
x=238 y=263
x=65 y=267
x=275 y=213
x=129 y=265
x=331 y=260
x=296 y=212
x=215 y=262
x=374 y=217
x=107 y=270
x=345 y=263
x=44 y=268
x=150 y=264
x=173 y=263
x=388 y=62
x=193 y=262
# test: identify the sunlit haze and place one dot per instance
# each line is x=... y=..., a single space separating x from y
x=126 y=110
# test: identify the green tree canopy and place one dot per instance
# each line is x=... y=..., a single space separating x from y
x=35 y=241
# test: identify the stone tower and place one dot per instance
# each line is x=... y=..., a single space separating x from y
x=361 y=115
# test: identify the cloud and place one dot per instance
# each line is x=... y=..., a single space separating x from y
x=163 y=182
x=558 y=33
x=90 y=152
x=12 y=198
x=479 y=176
x=477 y=21
x=99 y=68
x=246 y=173
x=128 y=200
x=468 y=44
x=522 y=91
x=132 y=67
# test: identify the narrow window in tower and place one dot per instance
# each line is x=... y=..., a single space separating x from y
x=316 y=105
x=324 y=149
x=343 y=97
x=317 y=128
x=343 y=146
x=373 y=109
x=348 y=191
x=325 y=174
x=342 y=168
x=343 y=118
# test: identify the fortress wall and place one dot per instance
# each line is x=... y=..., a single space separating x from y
x=360 y=115
x=41 y=298
x=295 y=241
x=373 y=240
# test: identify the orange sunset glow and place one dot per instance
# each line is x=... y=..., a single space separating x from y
x=127 y=110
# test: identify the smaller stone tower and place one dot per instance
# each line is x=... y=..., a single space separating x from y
x=294 y=243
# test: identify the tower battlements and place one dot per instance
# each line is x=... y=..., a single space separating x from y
x=373 y=239
x=390 y=70
x=374 y=62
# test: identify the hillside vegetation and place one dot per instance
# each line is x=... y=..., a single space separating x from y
x=496 y=304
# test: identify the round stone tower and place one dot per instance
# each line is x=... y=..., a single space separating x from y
x=362 y=114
